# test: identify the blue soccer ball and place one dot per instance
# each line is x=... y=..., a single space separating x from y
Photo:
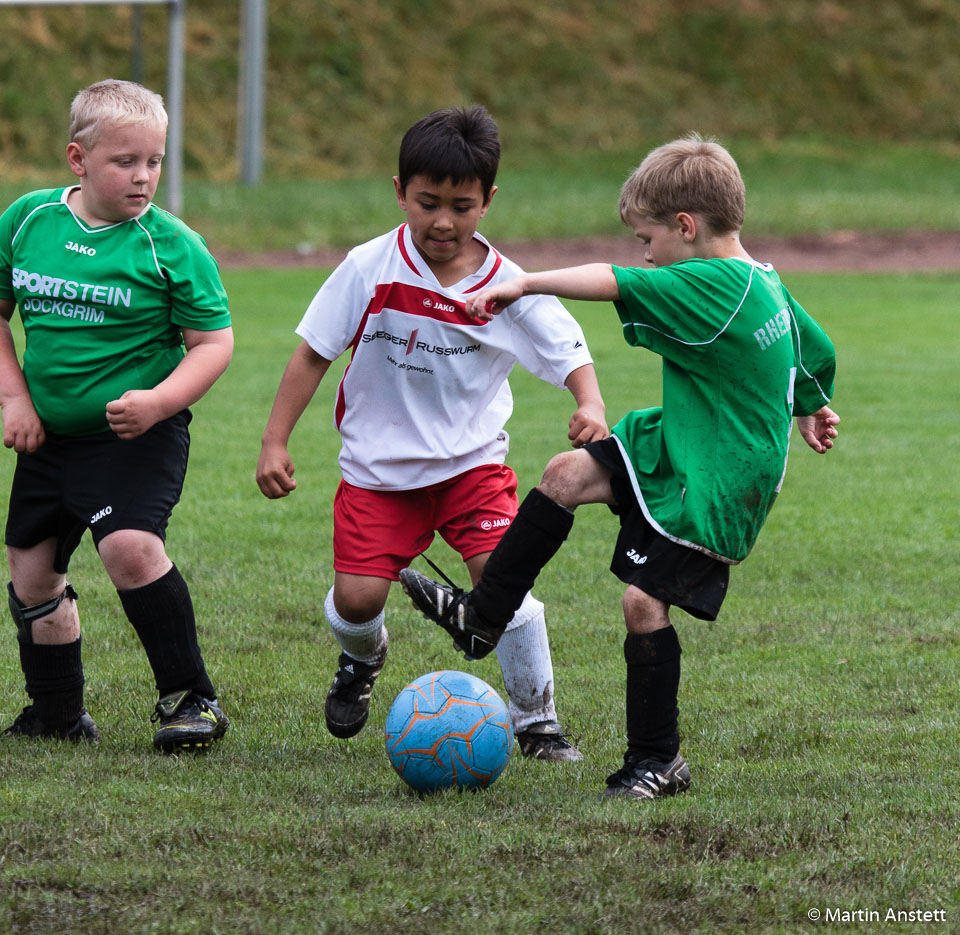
x=448 y=730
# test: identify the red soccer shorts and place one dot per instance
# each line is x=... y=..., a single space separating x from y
x=378 y=532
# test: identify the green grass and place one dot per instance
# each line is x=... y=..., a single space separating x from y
x=798 y=186
x=819 y=713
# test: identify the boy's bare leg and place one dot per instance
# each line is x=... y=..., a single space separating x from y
x=574 y=478
x=35 y=581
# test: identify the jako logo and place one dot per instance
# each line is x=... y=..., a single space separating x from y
x=635 y=558
x=106 y=511
x=442 y=306
x=494 y=523
x=80 y=248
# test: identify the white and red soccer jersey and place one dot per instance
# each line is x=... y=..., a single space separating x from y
x=425 y=396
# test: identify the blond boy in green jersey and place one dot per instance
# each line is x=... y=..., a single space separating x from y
x=127 y=325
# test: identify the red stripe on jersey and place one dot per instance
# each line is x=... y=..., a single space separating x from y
x=411 y=300
x=403 y=249
x=406 y=256
x=489 y=276
x=416 y=300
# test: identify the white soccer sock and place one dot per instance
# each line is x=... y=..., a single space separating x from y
x=524 y=656
x=363 y=641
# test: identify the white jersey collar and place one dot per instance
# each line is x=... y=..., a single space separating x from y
x=471 y=283
x=86 y=228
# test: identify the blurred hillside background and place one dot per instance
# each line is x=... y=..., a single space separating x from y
x=570 y=82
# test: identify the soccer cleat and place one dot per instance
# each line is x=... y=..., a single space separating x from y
x=450 y=608
x=545 y=741
x=28 y=724
x=348 y=701
x=188 y=721
x=648 y=779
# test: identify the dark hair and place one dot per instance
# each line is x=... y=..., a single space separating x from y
x=460 y=144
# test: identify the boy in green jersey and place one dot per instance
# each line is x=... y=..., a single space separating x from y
x=126 y=324
x=692 y=480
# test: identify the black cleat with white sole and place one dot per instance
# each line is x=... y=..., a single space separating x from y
x=545 y=741
x=348 y=701
x=450 y=608
x=648 y=779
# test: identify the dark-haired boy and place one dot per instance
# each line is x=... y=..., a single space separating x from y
x=421 y=410
x=693 y=480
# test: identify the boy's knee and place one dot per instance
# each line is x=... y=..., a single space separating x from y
x=560 y=481
x=133 y=558
x=643 y=613
x=360 y=600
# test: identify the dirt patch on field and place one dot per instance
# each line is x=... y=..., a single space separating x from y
x=842 y=251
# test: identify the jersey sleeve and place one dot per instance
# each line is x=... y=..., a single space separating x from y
x=10 y=220
x=816 y=361
x=333 y=316
x=671 y=303
x=548 y=341
x=198 y=299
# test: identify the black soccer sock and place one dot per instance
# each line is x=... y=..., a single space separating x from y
x=531 y=540
x=162 y=615
x=54 y=681
x=653 y=680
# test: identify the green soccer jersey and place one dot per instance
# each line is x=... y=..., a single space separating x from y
x=740 y=358
x=102 y=307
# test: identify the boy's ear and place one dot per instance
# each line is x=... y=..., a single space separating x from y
x=401 y=198
x=686 y=226
x=75 y=156
x=486 y=204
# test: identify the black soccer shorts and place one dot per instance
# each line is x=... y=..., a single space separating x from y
x=98 y=482
x=673 y=573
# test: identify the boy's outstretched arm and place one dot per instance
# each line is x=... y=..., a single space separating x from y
x=299 y=382
x=22 y=428
x=820 y=429
x=208 y=353
x=593 y=282
x=588 y=423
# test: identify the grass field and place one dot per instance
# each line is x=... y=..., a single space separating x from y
x=819 y=713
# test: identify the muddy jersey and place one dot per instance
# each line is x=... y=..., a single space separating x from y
x=425 y=395
x=102 y=307
x=740 y=358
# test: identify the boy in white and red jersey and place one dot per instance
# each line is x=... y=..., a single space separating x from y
x=421 y=411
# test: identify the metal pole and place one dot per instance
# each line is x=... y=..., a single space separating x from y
x=173 y=163
x=253 y=43
x=136 y=43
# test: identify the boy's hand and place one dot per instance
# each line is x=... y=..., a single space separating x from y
x=22 y=428
x=494 y=299
x=587 y=424
x=819 y=430
x=275 y=472
x=134 y=412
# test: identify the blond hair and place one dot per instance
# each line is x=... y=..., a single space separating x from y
x=692 y=174
x=113 y=103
